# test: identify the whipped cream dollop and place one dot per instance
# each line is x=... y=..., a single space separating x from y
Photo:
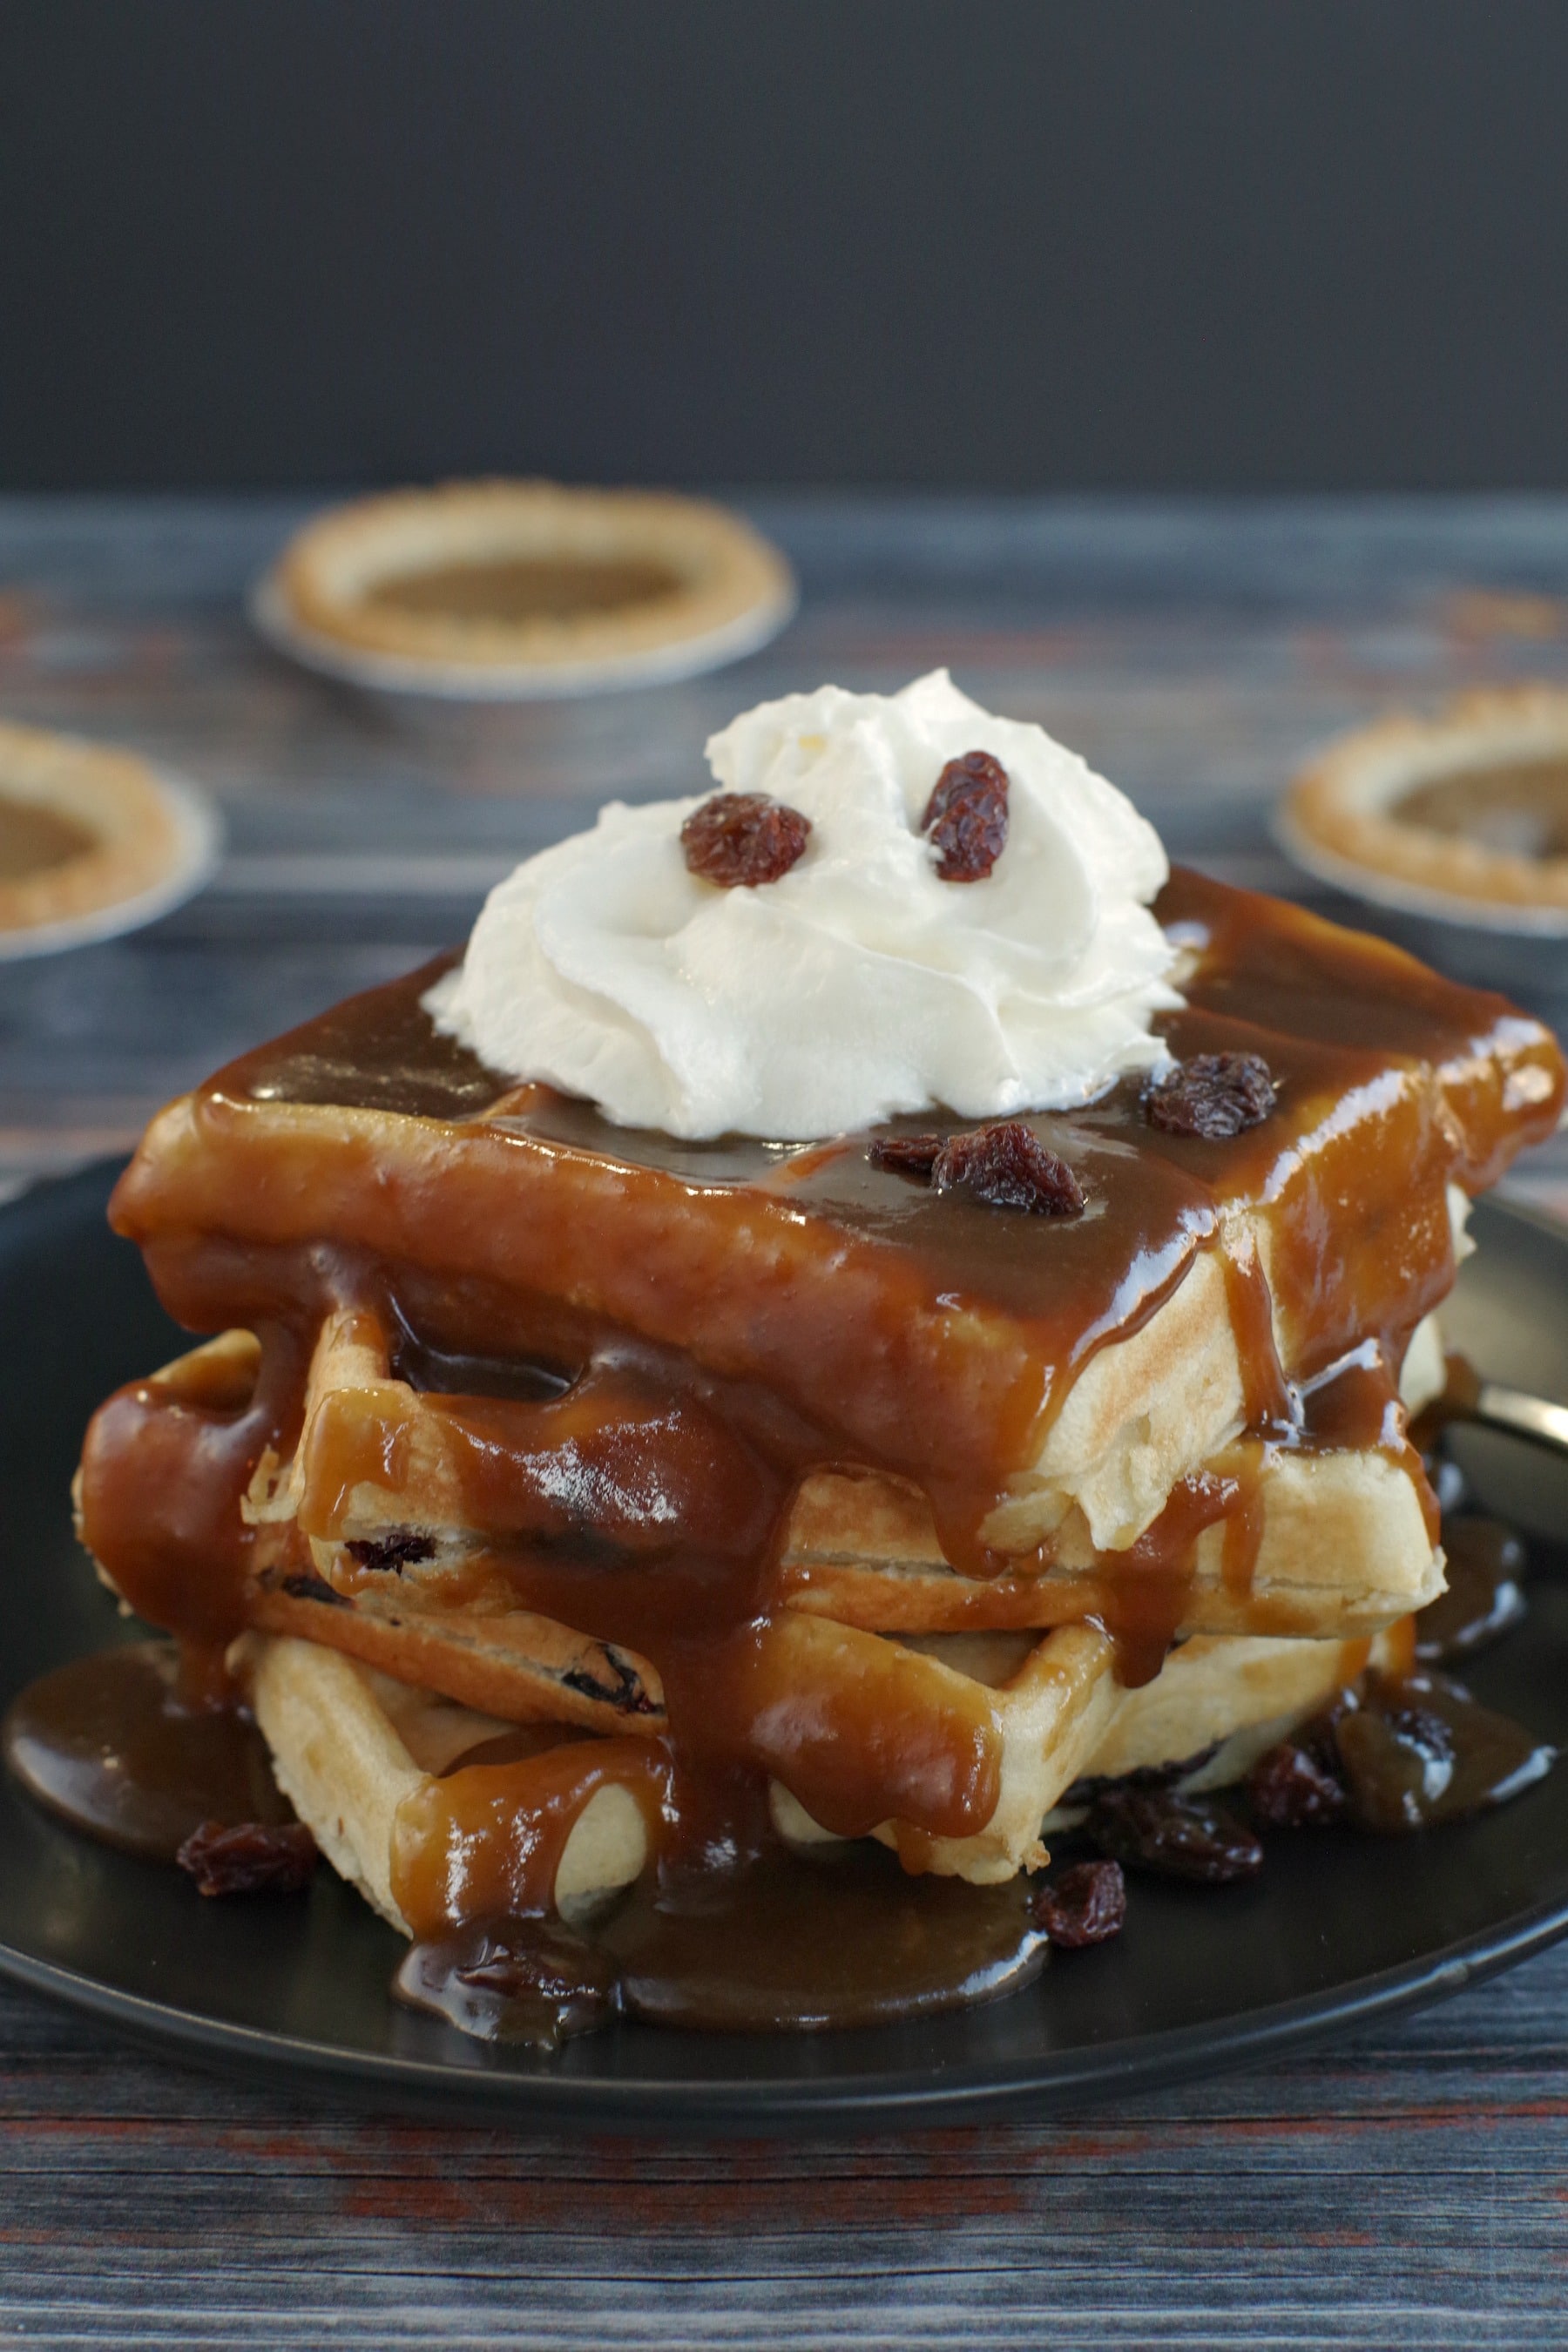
x=858 y=985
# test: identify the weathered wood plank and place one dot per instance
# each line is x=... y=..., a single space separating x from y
x=1407 y=2190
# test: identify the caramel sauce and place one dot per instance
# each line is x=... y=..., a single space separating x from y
x=784 y=1943
x=1484 y=1598
x=485 y=1839
x=509 y=1980
x=1420 y=1752
x=652 y=1341
x=117 y=1745
x=840 y=1939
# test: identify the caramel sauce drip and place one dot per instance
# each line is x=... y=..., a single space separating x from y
x=486 y=1839
x=165 y=1464
x=677 y=1332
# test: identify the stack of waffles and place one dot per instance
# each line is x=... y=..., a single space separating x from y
x=561 y=1490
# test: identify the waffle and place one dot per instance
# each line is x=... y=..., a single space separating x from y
x=730 y=1458
x=440 y=1638
x=1341 y=1544
x=350 y=1746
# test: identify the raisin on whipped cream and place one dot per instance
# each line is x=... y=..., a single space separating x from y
x=739 y=840
x=966 y=818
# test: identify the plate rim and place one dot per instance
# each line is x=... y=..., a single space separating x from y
x=718 y=2105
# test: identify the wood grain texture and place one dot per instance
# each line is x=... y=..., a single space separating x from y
x=1408 y=2189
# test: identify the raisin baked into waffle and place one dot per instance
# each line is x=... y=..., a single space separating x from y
x=738 y=1476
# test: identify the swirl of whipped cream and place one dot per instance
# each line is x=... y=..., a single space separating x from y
x=858 y=985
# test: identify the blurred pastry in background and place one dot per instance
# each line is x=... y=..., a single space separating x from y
x=1462 y=818
x=502 y=588
x=93 y=842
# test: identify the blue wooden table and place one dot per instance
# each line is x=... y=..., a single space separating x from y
x=1406 y=2188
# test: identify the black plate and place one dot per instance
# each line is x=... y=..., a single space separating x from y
x=1338 y=1929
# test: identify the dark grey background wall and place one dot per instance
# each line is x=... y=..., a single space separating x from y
x=1226 y=244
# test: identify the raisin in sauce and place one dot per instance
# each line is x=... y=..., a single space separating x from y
x=689 y=1330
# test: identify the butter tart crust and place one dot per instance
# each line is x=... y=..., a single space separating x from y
x=1464 y=815
x=89 y=833
x=526 y=584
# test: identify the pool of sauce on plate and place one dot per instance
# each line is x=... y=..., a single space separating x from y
x=889 y=1328
x=120 y=1745
x=1419 y=1751
x=783 y=1944
x=1485 y=1597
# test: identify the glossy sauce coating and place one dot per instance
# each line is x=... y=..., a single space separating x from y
x=785 y=1944
x=117 y=1745
x=688 y=1328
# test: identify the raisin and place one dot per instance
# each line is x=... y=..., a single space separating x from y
x=966 y=818
x=1213 y=1095
x=1087 y=1905
x=905 y=1155
x=1145 y=1776
x=1008 y=1166
x=742 y=839
x=517 y=1970
x=528 y=1980
x=1290 y=1787
x=1178 y=1837
x=249 y=1857
x=392 y=1553
x=304 y=1584
x=627 y=1691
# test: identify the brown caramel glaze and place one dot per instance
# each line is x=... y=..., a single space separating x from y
x=166 y=1463
x=1484 y=1599
x=779 y=1307
x=923 y=1333
x=485 y=1841
x=1417 y=1751
x=840 y=1939
x=782 y=1943
x=115 y=1745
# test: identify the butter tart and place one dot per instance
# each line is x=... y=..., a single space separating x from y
x=1463 y=817
x=92 y=842
x=513 y=589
